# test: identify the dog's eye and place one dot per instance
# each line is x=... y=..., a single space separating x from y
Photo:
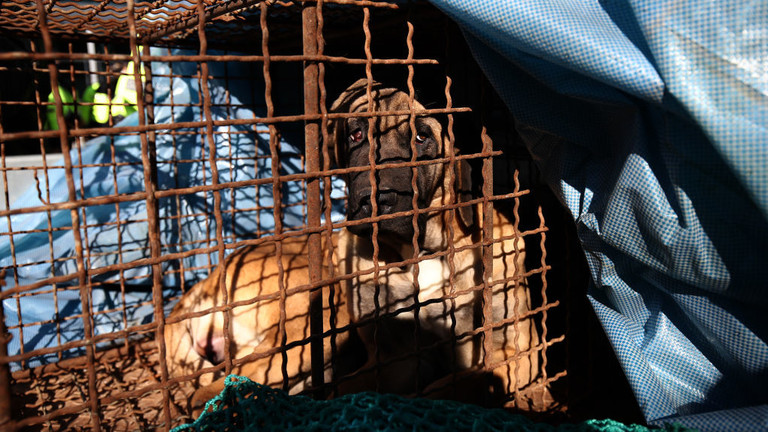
x=421 y=137
x=356 y=136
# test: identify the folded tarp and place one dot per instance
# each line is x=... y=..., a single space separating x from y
x=649 y=119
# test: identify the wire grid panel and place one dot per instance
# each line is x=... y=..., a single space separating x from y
x=159 y=154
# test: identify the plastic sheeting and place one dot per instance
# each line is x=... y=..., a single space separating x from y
x=242 y=154
x=649 y=118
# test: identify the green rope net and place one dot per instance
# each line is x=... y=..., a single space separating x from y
x=248 y=406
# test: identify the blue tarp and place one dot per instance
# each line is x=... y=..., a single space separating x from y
x=650 y=120
x=186 y=221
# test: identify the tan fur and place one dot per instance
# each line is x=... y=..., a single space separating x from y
x=251 y=273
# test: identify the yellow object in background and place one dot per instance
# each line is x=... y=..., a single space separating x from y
x=68 y=107
x=95 y=106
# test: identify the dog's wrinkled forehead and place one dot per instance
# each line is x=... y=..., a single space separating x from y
x=391 y=133
x=390 y=101
x=356 y=99
x=384 y=100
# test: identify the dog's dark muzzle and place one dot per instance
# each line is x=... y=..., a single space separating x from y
x=388 y=201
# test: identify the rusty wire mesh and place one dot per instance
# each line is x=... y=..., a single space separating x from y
x=293 y=58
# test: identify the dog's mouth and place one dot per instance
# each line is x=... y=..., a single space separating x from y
x=388 y=201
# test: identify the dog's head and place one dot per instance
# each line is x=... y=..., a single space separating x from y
x=390 y=137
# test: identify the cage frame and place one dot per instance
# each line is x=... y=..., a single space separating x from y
x=314 y=116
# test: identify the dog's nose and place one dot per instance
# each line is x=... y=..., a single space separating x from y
x=386 y=201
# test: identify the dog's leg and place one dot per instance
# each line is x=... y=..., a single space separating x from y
x=519 y=371
x=393 y=365
x=519 y=378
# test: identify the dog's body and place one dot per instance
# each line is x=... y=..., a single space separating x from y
x=448 y=280
x=449 y=313
x=442 y=268
x=252 y=280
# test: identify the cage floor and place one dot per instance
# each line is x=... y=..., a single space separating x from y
x=56 y=397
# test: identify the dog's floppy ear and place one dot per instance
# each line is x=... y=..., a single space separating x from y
x=463 y=186
x=337 y=127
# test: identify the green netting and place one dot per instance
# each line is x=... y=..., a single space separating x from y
x=247 y=406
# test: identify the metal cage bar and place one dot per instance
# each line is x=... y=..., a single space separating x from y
x=309 y=16
x=83 y=279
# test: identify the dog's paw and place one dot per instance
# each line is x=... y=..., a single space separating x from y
x=535 y=398
x=200 y=398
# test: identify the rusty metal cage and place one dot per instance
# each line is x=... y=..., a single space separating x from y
x=223 y=145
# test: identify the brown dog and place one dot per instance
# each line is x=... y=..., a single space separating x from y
x=449 y=278
x=252 y=279
x=442 y=326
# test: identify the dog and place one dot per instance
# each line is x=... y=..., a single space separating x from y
x=433 y=306
x=418 y=288
x=253 y=278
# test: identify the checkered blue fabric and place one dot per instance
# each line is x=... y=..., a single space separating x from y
x=650 y=119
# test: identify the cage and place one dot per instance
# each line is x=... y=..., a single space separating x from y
x=143 y=143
